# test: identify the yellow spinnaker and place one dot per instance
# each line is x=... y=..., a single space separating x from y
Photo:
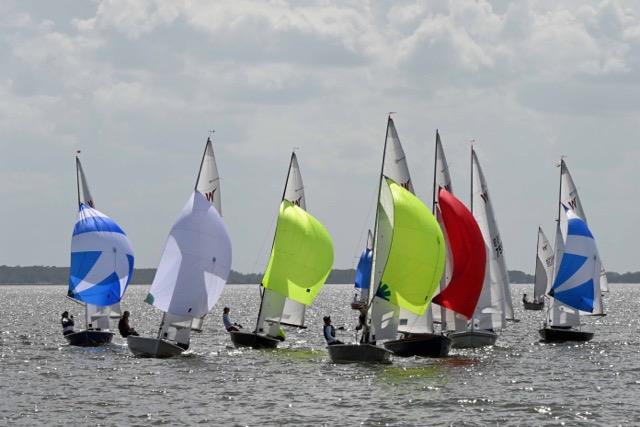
x=301 y=257
x=416 y=258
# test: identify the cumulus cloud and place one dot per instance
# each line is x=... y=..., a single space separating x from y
x=138 y=83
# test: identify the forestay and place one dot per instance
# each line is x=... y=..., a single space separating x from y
x=195 y=263
x=559 y=314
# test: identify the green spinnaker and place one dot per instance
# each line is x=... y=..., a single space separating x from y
x=302 y=255
x=416 y=258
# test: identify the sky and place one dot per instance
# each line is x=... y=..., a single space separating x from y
x=137 y=85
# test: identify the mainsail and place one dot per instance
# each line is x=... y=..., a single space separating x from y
x=195 y=263
x=411 y=235
x=544 y=267
x=300 y=261
x=468 y=256
x=101 y=259
x=483 y=212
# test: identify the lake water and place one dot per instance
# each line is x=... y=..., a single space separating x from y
x=519 y=381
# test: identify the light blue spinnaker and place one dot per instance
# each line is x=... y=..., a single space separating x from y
x=101 y=259
x=578 y=276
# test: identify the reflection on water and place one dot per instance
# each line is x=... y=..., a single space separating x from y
x=518 y=381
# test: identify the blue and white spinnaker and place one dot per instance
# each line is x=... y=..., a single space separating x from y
x=577 y=282
x=101 y=259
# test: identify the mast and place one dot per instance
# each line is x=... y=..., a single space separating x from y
x=204 y=153
x=471 y=209
x=260 y=288
x=555 y=257
x=443 y=312
x=535 y=273
x=373 y=289
x=78 y=178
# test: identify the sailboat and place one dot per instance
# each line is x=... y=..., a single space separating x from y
x=408 y=261
x=192 y=272
x=543 y=273
x=363 y=275
x=577 y=270
x=300 y=262
x=494 y=305
x=101 y=267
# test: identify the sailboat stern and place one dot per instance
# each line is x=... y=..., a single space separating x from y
x=153 y=347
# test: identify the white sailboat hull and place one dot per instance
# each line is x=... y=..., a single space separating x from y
x=472 y=339
x=153 y=347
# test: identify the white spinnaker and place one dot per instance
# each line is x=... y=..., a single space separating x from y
x=208 y=178
x=386 y=315
x=195 y=263
x=449 y=319
x=558 y=313
x=96 y=316
x=544 y=267
x=569 y=197
x=483 y=212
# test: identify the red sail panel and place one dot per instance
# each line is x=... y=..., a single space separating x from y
x=468 y=253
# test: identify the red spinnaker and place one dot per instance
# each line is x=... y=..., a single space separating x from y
x=466 y=246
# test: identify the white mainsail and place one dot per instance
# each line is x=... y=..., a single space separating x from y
x=483 y=212
x=544 y=267
x=208 y=183
x=95 y=316
x=276 y=309
x=449 y=319
x=195 y=263
x=569 y=197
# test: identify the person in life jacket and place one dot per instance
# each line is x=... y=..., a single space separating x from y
x=67 y=323
x=123 y=326
x=330 y=332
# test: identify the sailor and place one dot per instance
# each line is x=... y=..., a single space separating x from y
x=228 y=325
x=67 y=323
x=330 y=332
x=123 y=326
x=524 y=298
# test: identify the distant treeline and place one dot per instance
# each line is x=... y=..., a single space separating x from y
x=42 y=275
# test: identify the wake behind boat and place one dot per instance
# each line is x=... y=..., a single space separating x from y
x=101 y=267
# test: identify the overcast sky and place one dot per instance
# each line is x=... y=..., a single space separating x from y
x=136 y=85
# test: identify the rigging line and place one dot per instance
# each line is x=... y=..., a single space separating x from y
x=357 y=248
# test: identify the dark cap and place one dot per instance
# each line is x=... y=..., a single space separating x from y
x=327 y=318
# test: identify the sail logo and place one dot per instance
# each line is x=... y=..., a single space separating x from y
x=383 y=292
x=297 y=201
x=406 y=184
x=485 y=196
x=549 y=261
x=573 y=203
x=209 y=195
x=90 y=203
x=497 y=246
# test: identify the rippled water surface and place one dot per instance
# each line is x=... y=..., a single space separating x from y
x=517 y=382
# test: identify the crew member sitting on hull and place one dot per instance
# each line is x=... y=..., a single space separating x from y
x=330 y=332
x=123 y=326
x=67 y=323
x=228 y=324
x=524 y=298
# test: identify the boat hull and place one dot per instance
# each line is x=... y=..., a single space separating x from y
x=563 y=335
x=424 y=345
x=472 y=339
x=89 y=338
x=536 y=306
x=253 y=340
x=366 y=353
x=152 y=347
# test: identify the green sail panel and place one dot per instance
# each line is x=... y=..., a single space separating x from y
x=417 y=254
x=302 y=255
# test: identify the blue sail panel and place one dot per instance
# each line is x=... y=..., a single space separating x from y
x=569 y=265
x=580 y=297
x=363 y=271
x=101 y=259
